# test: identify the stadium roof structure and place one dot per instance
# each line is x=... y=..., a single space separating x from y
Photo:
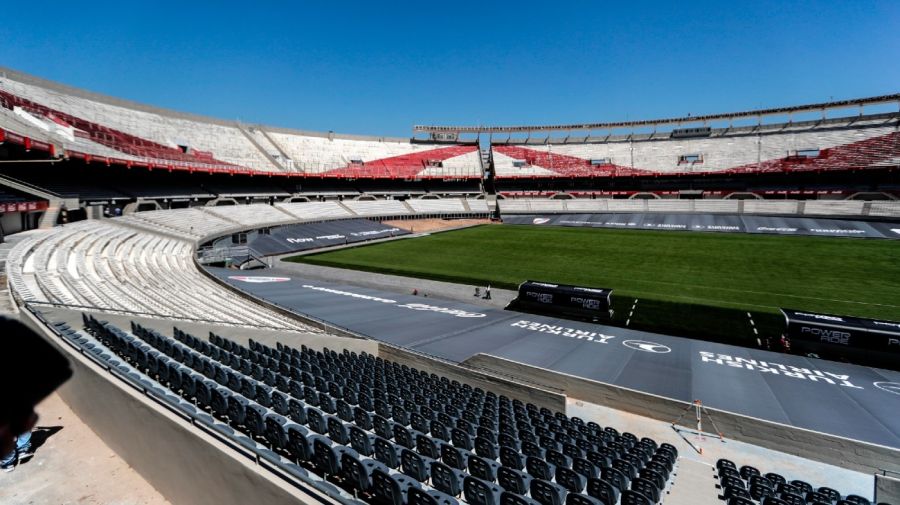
x=730 y=116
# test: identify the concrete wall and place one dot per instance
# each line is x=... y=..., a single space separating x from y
x=12 y=222
x=887 y=488
x=804 y=443
x=183 y=463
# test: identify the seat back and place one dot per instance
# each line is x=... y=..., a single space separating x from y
x=337 y=431
x=615 y=477
x=461 y=439
x=573 y=481
x=759 y=491
x=325 y=458
x=832 y=494
x=604 y=490
x=256 y=419
x=585 y=467
x=547 y=493
x=625 y=467
x=747 y=471
x=508 y=498
x=404 y=437
x=315 y=419
x=386 y=452
x=298 y=445
x=486 y=448
x=386 y=489
x=413 y=465
x=453 y=457
x=646 y=488
x=513 y=480
x=427 y=447
x=511 y=458
x=635 y=498
x=803 y=486
x=416 y=496
x=275 y=433
x=360 y=440
x=354 y=473
x=445 y=479
x=580 y=499
x=539 y=468
x=479 y=492
x=482 y=468
x=558 y=459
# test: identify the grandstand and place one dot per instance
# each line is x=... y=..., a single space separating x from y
x=304 y=392
x=72 y=123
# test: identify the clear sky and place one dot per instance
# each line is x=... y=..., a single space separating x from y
x=381 y=67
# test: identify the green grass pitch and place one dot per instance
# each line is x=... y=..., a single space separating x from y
x=671 y=273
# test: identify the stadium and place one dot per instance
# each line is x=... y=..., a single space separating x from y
x=683 y=310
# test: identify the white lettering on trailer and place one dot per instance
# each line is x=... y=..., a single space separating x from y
x=777 y=369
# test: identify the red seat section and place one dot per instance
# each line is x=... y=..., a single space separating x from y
x=403 y=166
x=110 y=137
x=883 y=150
x=567 y=166
x=874 y=152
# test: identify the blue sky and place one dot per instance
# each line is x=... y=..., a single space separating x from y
x=380 y=67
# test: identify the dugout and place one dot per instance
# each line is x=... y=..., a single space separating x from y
x=563 y=300
x=857 y=339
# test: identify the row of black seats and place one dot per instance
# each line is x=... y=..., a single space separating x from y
x=330 y=455
x=747 y=486
x=571 y=471
x=540 y=461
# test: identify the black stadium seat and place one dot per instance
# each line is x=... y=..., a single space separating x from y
x=483 y=468
x=513 y=480
x=603 y=490
x=580 y=499
x=832 y=494
x=325 y=458
x=454 y=457
x=479 y=492
x=646 y=488
x=386 y=452
x=386 y=489
x=792 y=499
x=427 y=446
x=759 y=491
x=298 y=444
x=416 y=496
x=447 y=479
x=570 y=479
x=507 y=498
x=415 y=466
x=539 y=468
x=361 y=441
x=275 y=431
x=635 y=498
x=615 y=477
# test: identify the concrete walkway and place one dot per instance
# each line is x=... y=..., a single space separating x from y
x=436 y=289
x=71 y=464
